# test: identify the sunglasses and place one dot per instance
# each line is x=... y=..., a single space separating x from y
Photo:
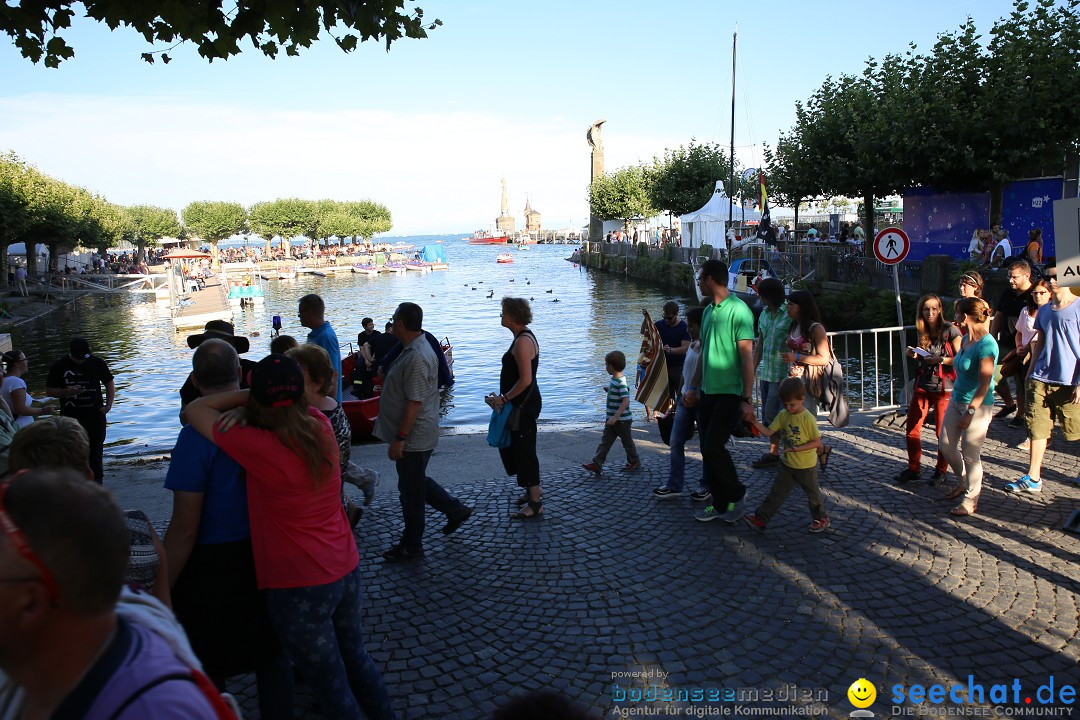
x=22 y=546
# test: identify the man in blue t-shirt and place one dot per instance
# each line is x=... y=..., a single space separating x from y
x=312 y=311
x=1054 y=378
x=676 y=338
x=208 y=546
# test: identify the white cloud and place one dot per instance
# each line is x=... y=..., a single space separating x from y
x=437 y=171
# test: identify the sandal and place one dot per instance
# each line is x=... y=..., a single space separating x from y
x=519 y=501
x=955 y=492
x=823 y=458
x=535 y=507
x=962 y=510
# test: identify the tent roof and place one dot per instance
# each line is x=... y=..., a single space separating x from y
x=718 y=208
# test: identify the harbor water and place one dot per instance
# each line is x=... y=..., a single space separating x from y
x=578 y=316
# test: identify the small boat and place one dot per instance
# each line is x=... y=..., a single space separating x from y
x=363 y=413
x=246 y=295
x=486 y=237
x=504 y=258
x=396 y=268
x=365 y=269
x=523 y=246
x=418 y=266
x=286 y=273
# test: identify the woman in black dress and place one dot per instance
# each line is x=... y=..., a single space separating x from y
x=517 y=385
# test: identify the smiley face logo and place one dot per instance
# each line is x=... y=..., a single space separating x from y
x=861 y=693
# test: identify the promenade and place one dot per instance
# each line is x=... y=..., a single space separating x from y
x=613 y=586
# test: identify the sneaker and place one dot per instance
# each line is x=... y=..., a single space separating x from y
x=709 y=513
x=938 y=478
x=1024 y=484
x=907 y=475
x=755 y=522
x=592 y=467
x=663 y=492
x=1018 y=422
x=766 y=460
x=453 y=523
x=631 y=466
x=1005 y=412
x=400 y=553
x=734 y=512
x=701 y=495
x=819 y=525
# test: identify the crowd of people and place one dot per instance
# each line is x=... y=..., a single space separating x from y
x=258 y=571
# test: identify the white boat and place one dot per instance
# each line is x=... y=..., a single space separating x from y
x=369 y=270
x=504 y=258
x=286 y=273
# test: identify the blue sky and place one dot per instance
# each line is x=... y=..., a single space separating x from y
x=430 y=127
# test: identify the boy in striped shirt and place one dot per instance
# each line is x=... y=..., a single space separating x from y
x=619 y=418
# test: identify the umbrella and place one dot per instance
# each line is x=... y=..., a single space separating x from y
x=186 y=254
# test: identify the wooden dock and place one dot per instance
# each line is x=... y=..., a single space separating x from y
x=210 y=303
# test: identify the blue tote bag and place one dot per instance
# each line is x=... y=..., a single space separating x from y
x=499 y=428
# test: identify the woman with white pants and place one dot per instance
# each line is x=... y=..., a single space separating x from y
x=970 y=410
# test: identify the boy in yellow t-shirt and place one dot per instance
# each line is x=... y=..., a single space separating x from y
x=798 y=430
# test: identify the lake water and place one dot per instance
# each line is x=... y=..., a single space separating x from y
x=595 y=313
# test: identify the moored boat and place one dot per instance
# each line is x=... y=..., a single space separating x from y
x=504 y=258
x=363 y=269
x=486 y=237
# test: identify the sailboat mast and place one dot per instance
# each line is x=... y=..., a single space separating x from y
x=731 y=184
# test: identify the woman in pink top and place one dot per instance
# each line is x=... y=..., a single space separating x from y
x=305 y=553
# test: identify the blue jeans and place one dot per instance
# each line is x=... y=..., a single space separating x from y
x=680 y=433
x=770 y=401
x=320 y=628
x=417 y=490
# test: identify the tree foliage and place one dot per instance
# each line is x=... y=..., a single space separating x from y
x=684 y=179
x=216 y=29
x=968 y=115
x=150 y=224
x=214 y=221
x=621 y=195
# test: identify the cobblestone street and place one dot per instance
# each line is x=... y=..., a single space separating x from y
x=612 y=582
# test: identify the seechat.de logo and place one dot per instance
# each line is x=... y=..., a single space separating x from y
x=862 y=695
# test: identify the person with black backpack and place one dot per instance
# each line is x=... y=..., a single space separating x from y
x=939 y=341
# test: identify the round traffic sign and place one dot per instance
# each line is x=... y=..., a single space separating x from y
x=891 y=245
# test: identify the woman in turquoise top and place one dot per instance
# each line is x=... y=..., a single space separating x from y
x=970 y=410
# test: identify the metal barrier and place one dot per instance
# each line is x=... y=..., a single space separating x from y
x=873 y=369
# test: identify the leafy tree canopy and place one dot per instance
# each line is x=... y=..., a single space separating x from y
x=215 y=221
x=621 y=195
x=685 y=178
x=152 y=223
x=269 y=25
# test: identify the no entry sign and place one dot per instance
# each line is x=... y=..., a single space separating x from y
x=891 y=245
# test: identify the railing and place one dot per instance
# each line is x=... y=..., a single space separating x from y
x=874 y=368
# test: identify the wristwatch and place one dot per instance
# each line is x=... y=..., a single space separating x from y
x=970 y=410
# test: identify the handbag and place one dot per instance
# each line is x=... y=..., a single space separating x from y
x=498 y=427
x=514 y=422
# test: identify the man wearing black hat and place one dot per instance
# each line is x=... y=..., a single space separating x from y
x=217 y=330
x=76 y=380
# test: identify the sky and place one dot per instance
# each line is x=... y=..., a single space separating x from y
x=430 y=127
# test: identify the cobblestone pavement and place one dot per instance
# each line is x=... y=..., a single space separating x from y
x=611 y=582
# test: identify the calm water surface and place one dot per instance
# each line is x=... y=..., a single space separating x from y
x=595 y=313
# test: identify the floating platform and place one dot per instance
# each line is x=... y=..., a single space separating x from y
x=201 y=306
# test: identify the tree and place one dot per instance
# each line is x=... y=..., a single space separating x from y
x=150 y=224
x=621 y=195
x=215 y=221
x=285 y=218
x=216 y=29
x=685 y=178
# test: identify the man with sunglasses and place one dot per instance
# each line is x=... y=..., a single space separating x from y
x=1054 y=378
x=64 y=549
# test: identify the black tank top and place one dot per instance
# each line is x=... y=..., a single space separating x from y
x=509 y=375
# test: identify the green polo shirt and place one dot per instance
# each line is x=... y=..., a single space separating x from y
x=722 y=327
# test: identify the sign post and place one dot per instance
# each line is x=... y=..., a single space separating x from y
x=1067 y=241
x=891 y=246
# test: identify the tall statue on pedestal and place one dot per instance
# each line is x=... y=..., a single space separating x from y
x=505 y=222
x=596 y=225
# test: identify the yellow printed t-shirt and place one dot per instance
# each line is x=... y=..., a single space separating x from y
x=796 y=430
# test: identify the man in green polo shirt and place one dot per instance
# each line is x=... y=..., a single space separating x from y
x=724 y=386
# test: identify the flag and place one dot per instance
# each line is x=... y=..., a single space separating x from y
x=764 y=232
x=653 y=388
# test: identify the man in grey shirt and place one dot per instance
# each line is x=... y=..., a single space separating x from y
x=409 y=421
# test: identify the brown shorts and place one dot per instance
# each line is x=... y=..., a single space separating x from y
x=1049 y=403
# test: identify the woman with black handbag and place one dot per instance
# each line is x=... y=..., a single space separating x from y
x=517 y=386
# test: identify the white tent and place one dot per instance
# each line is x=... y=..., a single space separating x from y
x=707 y=225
